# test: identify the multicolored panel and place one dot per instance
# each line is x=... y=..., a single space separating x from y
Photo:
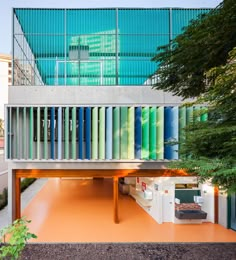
x=99 y=133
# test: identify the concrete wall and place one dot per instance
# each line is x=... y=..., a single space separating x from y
x=92 y=95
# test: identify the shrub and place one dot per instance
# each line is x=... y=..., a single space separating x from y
x=17 y=236
x=25 y=183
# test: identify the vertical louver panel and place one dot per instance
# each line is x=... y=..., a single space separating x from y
x=138 y=132
x=124 y=132
x=94 y=133
x=31 y=133
x=38 y=134
x=102 y=133
x=59 y=133
x=81 y=132
x=66 y=131
x=204 y=115
x=175 y=131
x=189 y=115
x=24 y=135
x=145 y=133
x=88 y=133
x=131 y=132
x=116 y=133
x=160 y=133
x=153 y=134
x=52 y=132
x=109 y=133
x=167 y=133
x=73 y=133
x=17 y=139
x=98 y=133
x=182 y=125
x=45 y=133
x=196 y=114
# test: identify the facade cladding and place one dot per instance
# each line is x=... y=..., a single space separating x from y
x=94 y=47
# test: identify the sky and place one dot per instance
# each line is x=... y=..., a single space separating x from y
x=7 y=5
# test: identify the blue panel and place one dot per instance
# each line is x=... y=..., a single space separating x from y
x=167 y=133
x=171 y=132
x=88 y=133
x=109 y=133
x=52 y=133
x=59 y=133
x=175 y=131
x=138 y=132
x=81 y=132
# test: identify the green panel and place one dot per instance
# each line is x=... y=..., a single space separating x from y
x=196 y=114
x=131 y=133
x=95 y=133
x=204 y=116
x=67 y=133
x=24 y=134
x=186 y=196
x=45 y=133
x=74 y=133
x=160 y=133
x=38 y=133
x=145 y=133
x=116 y=133
x=31 y=125
x=102 y=133
x=153 y=134
x=189 y=115
x=124 y=132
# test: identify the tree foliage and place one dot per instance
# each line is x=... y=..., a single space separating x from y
x=204 y=44
x=209 y=149
x=201 y=63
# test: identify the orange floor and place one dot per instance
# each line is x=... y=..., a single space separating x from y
x=71 y=210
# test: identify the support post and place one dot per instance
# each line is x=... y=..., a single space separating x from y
x=216 y=204
x=17 y=198
x=115 y=199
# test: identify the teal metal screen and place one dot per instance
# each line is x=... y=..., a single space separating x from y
x=91 y=46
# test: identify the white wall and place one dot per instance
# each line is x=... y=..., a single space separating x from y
x=207 y=192
x=223 y=212
x=3 y=86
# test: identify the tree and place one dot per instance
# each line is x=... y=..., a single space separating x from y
x=204 y=44
x=200 y=63
x=210 y=147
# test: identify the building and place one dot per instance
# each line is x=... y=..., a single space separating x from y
x=84 y=106
x=5 y=81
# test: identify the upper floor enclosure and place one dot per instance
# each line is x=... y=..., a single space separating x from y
x=92 y=47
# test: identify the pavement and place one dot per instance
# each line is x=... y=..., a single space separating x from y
x=26 y=197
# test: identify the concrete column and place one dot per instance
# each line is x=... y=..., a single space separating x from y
x=115 y=199
x=11 y=196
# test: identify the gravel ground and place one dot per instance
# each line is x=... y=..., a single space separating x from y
x=131 y=251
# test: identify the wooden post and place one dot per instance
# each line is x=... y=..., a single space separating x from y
x=17 y=198
x=216 y=204
x=115 y=199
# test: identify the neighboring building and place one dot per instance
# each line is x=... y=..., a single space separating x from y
x=88 y=109
x=5 y=81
